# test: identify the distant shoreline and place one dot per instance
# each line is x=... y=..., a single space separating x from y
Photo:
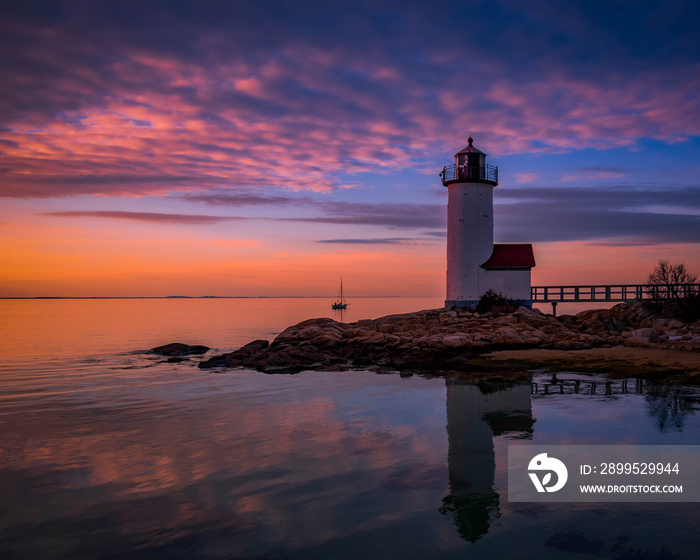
x=198 y=297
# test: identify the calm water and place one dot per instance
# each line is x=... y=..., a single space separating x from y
x=107 y=453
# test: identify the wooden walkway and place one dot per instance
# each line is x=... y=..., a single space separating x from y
x=609 y=293
x=627 y=292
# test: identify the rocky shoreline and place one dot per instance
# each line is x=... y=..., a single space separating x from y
x=459 y=340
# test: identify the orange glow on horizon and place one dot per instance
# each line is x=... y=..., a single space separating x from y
x=70 y=261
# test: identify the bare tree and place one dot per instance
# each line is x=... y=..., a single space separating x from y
x=671 y=281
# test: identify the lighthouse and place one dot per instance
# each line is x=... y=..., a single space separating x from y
x=474 y=264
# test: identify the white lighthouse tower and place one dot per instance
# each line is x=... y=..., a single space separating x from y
x=474 y=263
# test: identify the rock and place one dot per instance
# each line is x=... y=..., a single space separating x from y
x=635 y=342
x=508 y=337
x=179 y=349
x=457 y=340
x=647 y=334
x=237 y=357
x=438 y=339
x=641 y=338
x=567 y=320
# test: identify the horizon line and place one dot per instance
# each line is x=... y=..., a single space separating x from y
x=200 y=297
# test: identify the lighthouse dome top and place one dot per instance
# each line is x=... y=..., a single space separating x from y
x=470 y=149
x=469 y=167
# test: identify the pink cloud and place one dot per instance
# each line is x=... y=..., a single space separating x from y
x=525 y=177
x=168 y=124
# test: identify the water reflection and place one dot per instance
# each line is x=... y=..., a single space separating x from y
x=475 y=414
x=156 y=463
x=668 y=407
x=481 y=417
x=593 y=386
x=339 y=315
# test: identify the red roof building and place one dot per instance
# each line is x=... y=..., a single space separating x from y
x=509 y=256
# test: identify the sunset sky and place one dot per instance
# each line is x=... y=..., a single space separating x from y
x=151 y=148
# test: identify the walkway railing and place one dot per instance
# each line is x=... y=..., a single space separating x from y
x=613 y=292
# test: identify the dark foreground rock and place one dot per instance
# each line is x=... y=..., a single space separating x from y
x=238 y=357
x=179 y=349
x=439 y=339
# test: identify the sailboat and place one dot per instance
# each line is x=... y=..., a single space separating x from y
x=341 y=303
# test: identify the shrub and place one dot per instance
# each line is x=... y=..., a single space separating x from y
x=496 y=302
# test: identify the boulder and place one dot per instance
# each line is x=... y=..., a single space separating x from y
x=179 y=349
x=237 y=357
x=647 y=335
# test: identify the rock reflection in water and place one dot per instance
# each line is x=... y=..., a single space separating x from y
x=475 y=414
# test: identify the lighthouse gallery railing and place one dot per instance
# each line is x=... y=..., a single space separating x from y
x=456 y=172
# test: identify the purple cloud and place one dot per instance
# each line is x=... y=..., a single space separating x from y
x=154 y=217
x=625 y=215
x=377 y=241
x=227 y=95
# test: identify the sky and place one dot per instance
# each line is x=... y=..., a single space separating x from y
x=176 y=147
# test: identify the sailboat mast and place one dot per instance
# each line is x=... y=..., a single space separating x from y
x=340 y=304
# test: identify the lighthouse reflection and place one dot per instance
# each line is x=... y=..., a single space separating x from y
x=476 y=412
